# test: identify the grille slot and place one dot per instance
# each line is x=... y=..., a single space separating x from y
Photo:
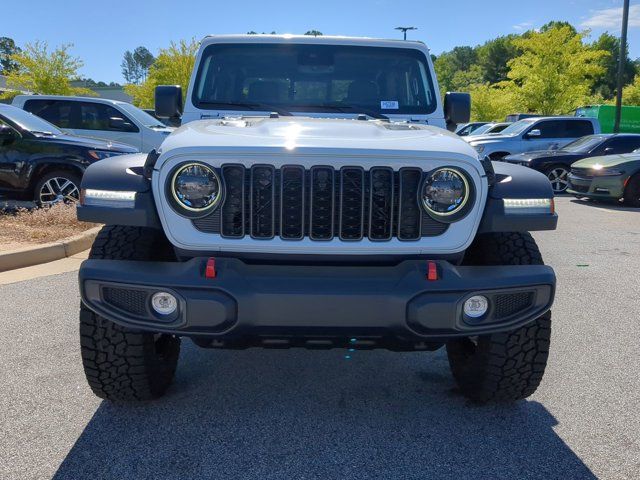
x=262 y=203
x=132 y=301
x=352 y=195
x=321 y=203
x=381 y=190
x=508 y=304
x=233 y=209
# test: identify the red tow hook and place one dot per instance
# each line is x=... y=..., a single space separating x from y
x=210 y=270
x=432 y=271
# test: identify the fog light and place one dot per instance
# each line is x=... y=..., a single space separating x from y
x=476 y=306
x=164 y=303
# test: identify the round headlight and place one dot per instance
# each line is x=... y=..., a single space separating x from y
x=445 y=192
x=196 y=187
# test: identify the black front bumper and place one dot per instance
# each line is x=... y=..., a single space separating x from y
x=316 y=305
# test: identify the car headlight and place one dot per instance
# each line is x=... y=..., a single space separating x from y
x=479 y=148
x=195 y=189
x=600 y=171
x=445 y=193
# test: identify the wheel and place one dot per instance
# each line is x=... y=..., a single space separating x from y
x=558 y=176
x=632 y=191
x=56 y=187
x=504 y=366
x=120 y=363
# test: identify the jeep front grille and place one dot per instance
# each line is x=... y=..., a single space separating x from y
x=320 y=203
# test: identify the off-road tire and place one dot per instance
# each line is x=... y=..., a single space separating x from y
x=632 y=191
x=120 y=363
x=507 y=366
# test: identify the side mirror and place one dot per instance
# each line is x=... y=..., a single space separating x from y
x=7 y=135
x=120 y=124
x=534 y=133
x=168 y=101
x=457 y=109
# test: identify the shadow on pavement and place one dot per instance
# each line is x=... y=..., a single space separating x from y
x=305 y=414
x=612 y=205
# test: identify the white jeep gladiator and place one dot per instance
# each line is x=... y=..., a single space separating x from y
x=314 y=198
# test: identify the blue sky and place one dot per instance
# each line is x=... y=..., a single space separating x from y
x=102 y=31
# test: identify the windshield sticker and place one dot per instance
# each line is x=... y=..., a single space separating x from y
x=389 y=105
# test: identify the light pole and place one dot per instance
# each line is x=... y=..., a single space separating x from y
x=404 y=30
x=621 y=64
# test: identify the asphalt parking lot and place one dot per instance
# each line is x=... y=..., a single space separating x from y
x=307 y=414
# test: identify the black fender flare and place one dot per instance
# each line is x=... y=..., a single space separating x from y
x=120 y=173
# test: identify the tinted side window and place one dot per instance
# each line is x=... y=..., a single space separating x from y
x=578 y=128
x=550 y=129
x=95 y=116
x=58 y=112
x=623 y=144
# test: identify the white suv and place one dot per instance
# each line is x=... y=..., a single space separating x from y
x=99 y=118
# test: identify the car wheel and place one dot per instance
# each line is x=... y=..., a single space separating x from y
x=558 y=176
x=57 y=187
x=632 y=192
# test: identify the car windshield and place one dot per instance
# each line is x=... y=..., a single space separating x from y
x=29 y=121
x=584 y=144
x=482 y=129
x=314 y=78
x=517 y=127
x=140 y=115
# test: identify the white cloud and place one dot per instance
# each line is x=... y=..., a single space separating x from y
x=521 y=27
x=612 y=18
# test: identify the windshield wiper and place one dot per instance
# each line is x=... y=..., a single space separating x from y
x=249 y=106
x=351 y=109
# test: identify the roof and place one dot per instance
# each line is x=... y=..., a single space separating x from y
x=311 y=39
x=72 y=98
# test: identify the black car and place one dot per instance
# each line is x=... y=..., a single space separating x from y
x=556 y=164
x=40 y=161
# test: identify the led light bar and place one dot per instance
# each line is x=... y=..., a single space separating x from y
x=529 y=206
x=107 y=198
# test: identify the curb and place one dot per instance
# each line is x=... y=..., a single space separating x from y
x=48 y=252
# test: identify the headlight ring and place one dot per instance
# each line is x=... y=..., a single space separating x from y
x=447 y=194
x=194 y=189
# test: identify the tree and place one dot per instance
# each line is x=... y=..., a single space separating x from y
x=315 y=33
x=449 y=63
x=7 y=49
x=44 y=72
x=173 y=66
x=555 y=72
x=631 y=93
x=494 y=57
x=136 y=64
x=606 y=84
x=491 y=103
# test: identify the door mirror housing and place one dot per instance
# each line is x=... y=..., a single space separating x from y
x=168 y=102
x=534 y=133
x=457 y=109
x=117 y=123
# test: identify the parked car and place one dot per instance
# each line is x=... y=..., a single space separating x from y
x=629 y=117
x=274 y=229
x=41 y=162
x=613 y=177
x=490 y=128
x=514 y=117
x=556 y=164
x=541 y=133
x=102 y=118
x=468 y=128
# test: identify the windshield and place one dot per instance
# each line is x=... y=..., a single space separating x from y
x=140 y=115
x=482 y=129
x=517 y=127
x=584 y=144
x=314 y=78
x=29 y=121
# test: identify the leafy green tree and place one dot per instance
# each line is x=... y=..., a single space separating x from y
x=41 y=71
x=173 y=66
x=135 y=65
x=491 y=103
x=7 y=48
x=555 y=72
x=553 y=24
x=449 y=63
x=606 y=84
x=494 y=57
x=631 y=93
x=315 y=33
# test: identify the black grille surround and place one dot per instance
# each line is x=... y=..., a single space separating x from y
x=321 y=203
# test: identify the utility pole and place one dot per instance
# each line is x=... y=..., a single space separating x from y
x=404 y=30
x=621 y=64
